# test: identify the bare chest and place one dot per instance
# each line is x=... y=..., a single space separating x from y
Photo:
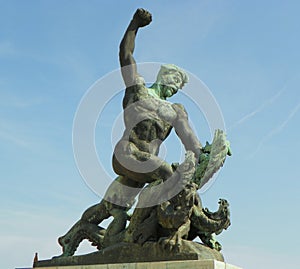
x=150 y=109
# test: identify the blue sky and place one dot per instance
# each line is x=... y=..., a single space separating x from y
x=247 y=53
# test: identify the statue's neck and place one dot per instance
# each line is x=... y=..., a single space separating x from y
x=156 y=91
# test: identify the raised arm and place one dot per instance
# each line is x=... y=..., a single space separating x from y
x=141 y=18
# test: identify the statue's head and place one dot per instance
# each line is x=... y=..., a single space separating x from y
x=170 y=79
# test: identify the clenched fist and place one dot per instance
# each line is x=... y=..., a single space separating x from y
x=142 y=17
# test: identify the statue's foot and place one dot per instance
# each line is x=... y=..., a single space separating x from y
x=128 y=237
x=169 y=243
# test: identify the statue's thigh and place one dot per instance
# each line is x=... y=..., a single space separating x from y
x=142 y=167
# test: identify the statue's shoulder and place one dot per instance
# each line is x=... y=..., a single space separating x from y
x=179 y=108
x=138 y=85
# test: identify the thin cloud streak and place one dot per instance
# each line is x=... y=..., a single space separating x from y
x=276 y=130
x=284 y=123
x=14 y=139
x=259 y=109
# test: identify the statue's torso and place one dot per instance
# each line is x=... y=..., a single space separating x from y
x=148 y=120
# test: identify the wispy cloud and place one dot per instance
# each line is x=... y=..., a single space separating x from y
x=19 y=103
x=38 y=232
x=13 y=130
x=71 y=60
x=10 y=137
x=277 y=129
x=6 y=48
x=258 y=109
x=35 y=228
x=285 y=122
x=15 y=133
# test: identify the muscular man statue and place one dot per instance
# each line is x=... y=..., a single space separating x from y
x=149 y=119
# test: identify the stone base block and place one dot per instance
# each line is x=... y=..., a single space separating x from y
x=205 y=264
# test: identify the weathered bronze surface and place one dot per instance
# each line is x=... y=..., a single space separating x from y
x=169 y=212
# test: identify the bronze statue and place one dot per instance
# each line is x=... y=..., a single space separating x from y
x=149 y=118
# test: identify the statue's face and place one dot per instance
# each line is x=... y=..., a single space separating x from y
x=170 y=83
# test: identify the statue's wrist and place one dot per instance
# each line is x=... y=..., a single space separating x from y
x=134 y=25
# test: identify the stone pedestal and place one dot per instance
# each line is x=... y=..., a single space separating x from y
x=205 y=264
x=129 y=253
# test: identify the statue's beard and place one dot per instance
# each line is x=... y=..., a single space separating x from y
x=168 y=90
x=165 y=91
